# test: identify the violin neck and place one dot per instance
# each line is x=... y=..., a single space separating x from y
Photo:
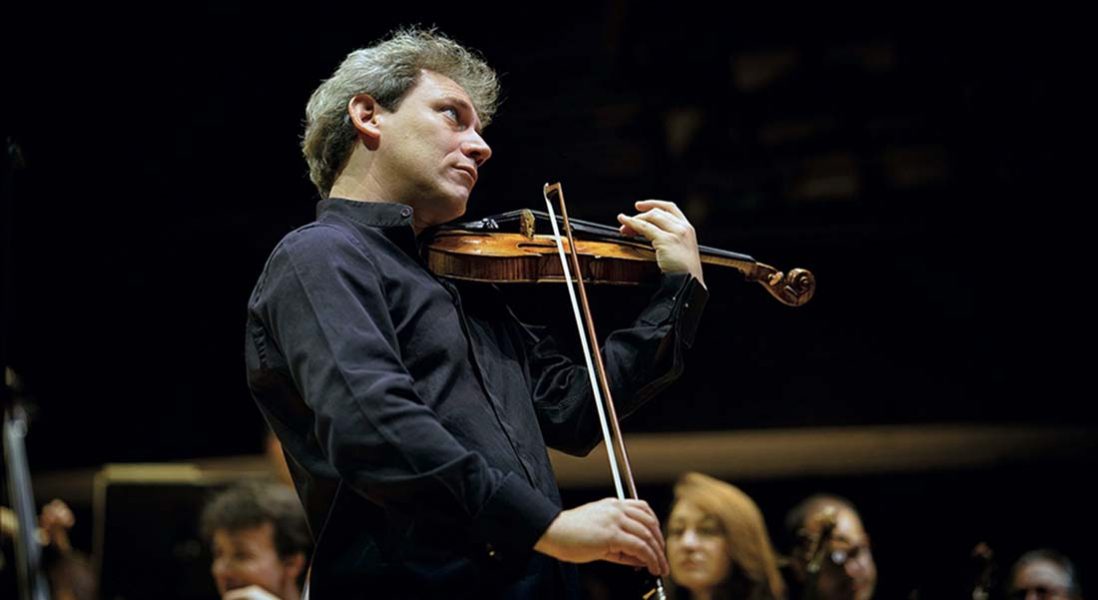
x=724 y=258
x=510 y=220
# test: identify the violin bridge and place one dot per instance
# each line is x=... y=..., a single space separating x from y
x=526 y=223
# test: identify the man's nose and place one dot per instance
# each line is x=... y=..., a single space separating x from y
x=219 y=567
x=476 y=148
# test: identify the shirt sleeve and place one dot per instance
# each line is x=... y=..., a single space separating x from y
x=324 y=305
x=640 y=361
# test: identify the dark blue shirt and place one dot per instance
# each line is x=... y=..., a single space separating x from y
x=415 y=412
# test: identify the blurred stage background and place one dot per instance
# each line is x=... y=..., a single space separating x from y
x=916 y=163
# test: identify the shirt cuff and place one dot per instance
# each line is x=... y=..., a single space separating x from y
x=689 y=305
x=680 y=298
x=514 y=518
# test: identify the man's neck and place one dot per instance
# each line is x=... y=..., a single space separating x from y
x=359 y=186
x=359 y=182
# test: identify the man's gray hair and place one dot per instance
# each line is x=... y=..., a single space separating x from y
x=387 y=71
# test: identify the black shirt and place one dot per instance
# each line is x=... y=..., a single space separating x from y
x=415 y=412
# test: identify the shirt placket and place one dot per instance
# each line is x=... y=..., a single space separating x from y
x=498 y=409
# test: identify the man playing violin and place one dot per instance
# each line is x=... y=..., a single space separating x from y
x=414 y=411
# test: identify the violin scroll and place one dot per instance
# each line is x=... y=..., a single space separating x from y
x=793 y=289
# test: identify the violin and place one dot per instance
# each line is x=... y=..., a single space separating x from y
x=508 y=248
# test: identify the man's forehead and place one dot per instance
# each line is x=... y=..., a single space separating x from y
x=1043 y=572
x=849 y=527
x=847 y=522
x=261 y=532
x=438 y=85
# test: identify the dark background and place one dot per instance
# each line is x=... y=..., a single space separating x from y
x=916 y=162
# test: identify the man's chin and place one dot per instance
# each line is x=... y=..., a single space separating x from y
x=444 y=206
x=457 y=205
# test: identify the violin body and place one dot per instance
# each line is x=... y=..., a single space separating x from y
x=513 y=257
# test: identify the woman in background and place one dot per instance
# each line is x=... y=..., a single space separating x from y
x=717 y=544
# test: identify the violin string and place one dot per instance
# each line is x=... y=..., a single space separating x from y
x=613 y=233
x=610 y=452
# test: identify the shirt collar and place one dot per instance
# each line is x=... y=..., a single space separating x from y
x=368 y=214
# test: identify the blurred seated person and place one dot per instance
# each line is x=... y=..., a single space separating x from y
x=260 y=542
x=717 y=544
x=68 y=571
x=1043 y=575
x=844 y=568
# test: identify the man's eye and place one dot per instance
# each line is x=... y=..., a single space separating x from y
x=450 y=110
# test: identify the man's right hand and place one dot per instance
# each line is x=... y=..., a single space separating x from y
x=620 y=531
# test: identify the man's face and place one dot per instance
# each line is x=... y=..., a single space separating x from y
x=848 y=571
x=697 y=548
x=248 y=557
x=1040 y=580
x=430 y=148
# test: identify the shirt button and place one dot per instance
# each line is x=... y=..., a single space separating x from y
x=405 y=212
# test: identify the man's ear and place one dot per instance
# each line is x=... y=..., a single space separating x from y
x=364 y=112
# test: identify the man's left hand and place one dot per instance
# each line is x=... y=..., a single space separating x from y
x=662 y=223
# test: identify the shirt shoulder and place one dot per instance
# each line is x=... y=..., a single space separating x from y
x=324 y=245
x=312 y=253
x=317 y=240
